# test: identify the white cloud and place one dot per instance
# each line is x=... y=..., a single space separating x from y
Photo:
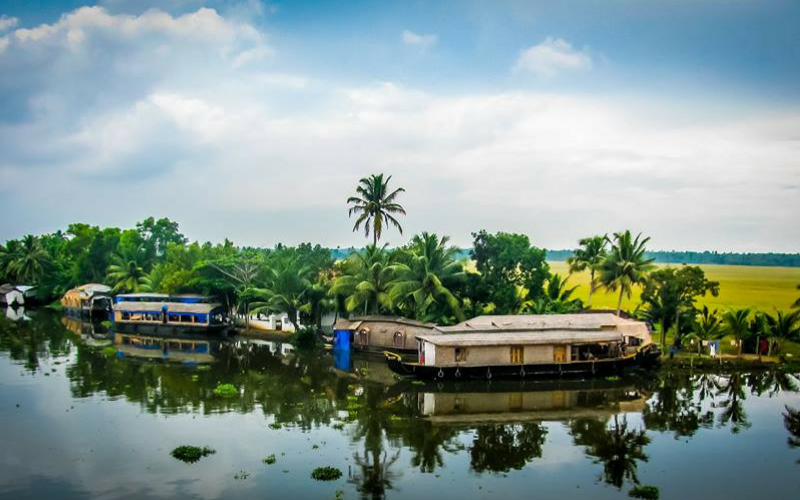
x=7 y=22
x=551 y=57
x=423 y=41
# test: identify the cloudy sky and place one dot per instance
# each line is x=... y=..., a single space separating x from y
x=254 y=120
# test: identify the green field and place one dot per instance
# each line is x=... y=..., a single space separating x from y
x=761 y=288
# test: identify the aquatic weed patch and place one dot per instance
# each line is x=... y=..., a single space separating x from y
x=226 y=390
x=270 y=459
x=645 y=492
x=191 y=454
x=326 y=474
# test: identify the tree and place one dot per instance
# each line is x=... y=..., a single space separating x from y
x=625 y=265
x=157 y=234
x=511 y=269
x=366 y=280
x=557 y=298
x=29 y=261
x=784 y=326
x=374 y=204
x=736 y=322
x=428 y=266
x=286 y=286
x=126 y=273
x=670 y=292
x=589 y=256
x=796 y=304
x=708 y=326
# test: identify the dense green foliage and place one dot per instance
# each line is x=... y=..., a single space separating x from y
x=706 y=257
x=191 y=454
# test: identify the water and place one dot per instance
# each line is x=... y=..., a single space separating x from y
x=84 y=418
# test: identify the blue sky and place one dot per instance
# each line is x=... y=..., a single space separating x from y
x=253 y=120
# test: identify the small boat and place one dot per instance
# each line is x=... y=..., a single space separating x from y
x=159 y=312
x=92 y=300
x=532 y=346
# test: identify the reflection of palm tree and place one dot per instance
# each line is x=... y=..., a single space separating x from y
x=616 y=447
x=500 y=448
x=375 y=476
x=791 y=420
x=732 y=388
x=427 y=442
x=673 y=408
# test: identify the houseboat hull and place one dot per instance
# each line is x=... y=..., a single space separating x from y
x=645 y=357
x=167 y=328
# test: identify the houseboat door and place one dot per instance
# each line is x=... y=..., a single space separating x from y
x=517 y=354
x=559 y=354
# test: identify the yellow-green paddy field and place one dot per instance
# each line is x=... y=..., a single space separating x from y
x=760 y=288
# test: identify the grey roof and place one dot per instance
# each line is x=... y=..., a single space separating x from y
x=143 y=295
x=6 y=288
x=200 y=308
x=539 y=323
x=549 y=337
x=354 y=323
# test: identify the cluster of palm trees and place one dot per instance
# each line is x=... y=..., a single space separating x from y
x=25 y=261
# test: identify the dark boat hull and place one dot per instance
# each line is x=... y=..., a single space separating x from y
x=167 y=328
x=644 y=358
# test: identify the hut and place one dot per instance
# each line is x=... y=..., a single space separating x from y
x=11 y=295
x=379 y=333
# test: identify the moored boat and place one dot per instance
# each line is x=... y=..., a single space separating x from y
x=159 y=312
x=92 y=300
x=531 y=346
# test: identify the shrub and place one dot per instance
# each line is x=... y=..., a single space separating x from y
x=326 y=474
x=306 y=337
x=191 y=454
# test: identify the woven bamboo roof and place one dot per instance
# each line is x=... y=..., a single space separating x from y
x=550 y=337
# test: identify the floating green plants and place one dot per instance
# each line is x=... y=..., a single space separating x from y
x=270 y=459
x=645 y=492
x=326 y=474
x=191 y=454
x=226 y=390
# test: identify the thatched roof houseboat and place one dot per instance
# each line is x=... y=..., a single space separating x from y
x=379 y=333
x=90 y=299
x=529 y=346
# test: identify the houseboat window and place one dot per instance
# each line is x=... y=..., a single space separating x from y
x=399 y=339
x=126 y=315
x=461 y=354
x=517 y=354
x=185 y=318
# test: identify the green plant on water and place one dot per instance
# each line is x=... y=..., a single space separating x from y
x=109 y=351
x=226 y=390
x=326 y=474
x=339 y=495
x=270 y=459
x=106 y=324
x=417 y=382
x=395 y=418
x=645 y=492
x=242 y=475
x=315 y=447
x=275 y=426
x=203 y=368
x=195 y=378
x=613 y=378
x=191 y=454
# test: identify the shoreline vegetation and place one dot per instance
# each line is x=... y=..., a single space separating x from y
x=746 y=311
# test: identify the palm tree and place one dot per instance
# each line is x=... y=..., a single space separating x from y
x=29 y=260
x=366 y=280
x=286 y=286
x=784 y=326
x=127 y=271
x=736 y=322
x=625 y=265
x=422 y=279
x=374 y=204
x=707 y=327
x=591 y=253
x=796 y=304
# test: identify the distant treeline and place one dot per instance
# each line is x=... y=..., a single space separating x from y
x=667 y=257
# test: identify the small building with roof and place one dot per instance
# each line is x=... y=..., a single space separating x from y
x=379 y=333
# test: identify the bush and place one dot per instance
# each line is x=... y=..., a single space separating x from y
x=645 y=492
x=226 y=390
x=326 y=474
x=306 y=337
x=191 y=454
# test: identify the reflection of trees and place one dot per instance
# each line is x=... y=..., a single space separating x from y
x=731 y=388
x=771 y=382
x=618 y=448
x=500 y=448
x=791 y=420
x=675 y=407
x=29 y=341
x=427 y=442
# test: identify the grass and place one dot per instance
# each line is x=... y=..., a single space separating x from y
x=760 y=288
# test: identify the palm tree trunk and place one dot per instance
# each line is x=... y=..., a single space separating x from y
x=619 y=302
x=739 y=354
x=677 y=325
x=591 y=291
x=664 y=332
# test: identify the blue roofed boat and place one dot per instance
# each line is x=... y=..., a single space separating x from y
x=160 y=312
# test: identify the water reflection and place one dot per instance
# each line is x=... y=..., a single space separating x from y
x=398 y=429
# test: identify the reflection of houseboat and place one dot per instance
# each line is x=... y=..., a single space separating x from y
x=475 y=403
x=164 y=312
x=16 y=313
x=92 y=300
x=90 y=333
x=530 y=346
x=174 y=350
x=379 y=333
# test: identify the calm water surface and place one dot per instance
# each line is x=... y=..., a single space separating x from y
x=86 y=414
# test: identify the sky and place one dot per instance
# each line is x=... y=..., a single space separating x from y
x=254 y=120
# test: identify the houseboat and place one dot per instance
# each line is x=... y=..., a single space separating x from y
x=92 y=300
x=379 y=333
x=182 y=350
x=159 y=312
x=17 y=295
x=530 y=346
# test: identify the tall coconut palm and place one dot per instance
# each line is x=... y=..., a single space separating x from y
x=29 y=260
x=784 y=326
x=736 y=322
x=367 y=277
x=126 y=273
x=374 y=204
x=625 y=265
x=591 y=253
x=429 y=266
